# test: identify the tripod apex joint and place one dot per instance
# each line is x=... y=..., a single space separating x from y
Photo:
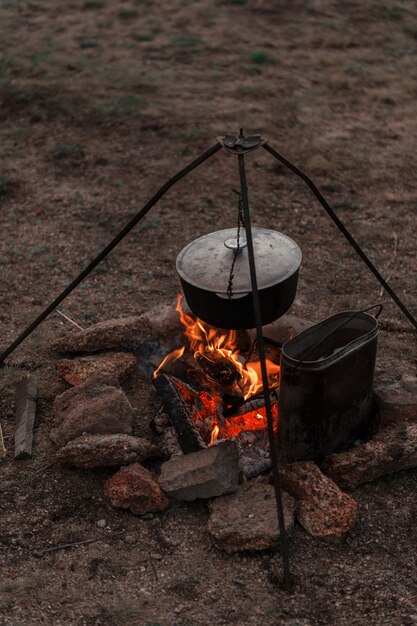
x=241 y=144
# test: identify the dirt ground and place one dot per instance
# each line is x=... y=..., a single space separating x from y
x=100 y=102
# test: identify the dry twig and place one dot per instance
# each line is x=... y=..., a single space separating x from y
x=390 y=263
x=69 y=320
x=62 y=546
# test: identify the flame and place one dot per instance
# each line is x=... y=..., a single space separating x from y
x=214 y=434
x=217 y=345
x=218 y=348
x=172 y=356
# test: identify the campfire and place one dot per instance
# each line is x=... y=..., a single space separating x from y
x=220 y=386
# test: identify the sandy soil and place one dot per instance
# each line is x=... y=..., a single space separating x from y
x=100 y=102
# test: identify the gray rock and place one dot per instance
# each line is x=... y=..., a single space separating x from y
x=160 y=323
x=398 y=403
x=252 y=467
x=79 y=371
x=247 y=519
x=202 y=474
x=97 y=407
x=409 y=383
x=392 y=449
x=108 y=335
x=91 y=451
x=284 y=328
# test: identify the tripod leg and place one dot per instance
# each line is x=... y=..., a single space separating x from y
x=137 y=218
x=261 y=348
x=344 y=231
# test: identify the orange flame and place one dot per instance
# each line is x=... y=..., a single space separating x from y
x=215 y=344
x=172 y=356
x=214 y=434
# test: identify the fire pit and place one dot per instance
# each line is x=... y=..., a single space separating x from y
x=215 y=386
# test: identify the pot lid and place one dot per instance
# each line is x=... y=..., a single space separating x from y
x=205 y=262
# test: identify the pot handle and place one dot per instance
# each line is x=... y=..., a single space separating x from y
x=316 y=345
x=374 y=306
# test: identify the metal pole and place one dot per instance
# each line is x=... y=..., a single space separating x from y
x=262 y=359
x=344 y=231
x=137 y=218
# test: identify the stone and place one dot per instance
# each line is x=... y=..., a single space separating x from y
x=252 y=467
x=133 y=488
x=204 y=474
x=322 y=508
x=160 y=323
x=409 y=383
x=247 y=519
x=397 y=403
x=284 y=328
x=92 y=451
x=107 y=335
x=392 y=449
x=79 y=371
x=99 y=406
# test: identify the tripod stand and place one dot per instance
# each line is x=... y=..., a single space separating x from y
x=239 y=145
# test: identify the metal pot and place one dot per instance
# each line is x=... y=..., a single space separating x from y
x=215 y=276
x=326 y=400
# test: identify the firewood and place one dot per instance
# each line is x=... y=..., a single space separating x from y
x=220 y=370
x=2 y=448
x=189 y=437
x=25 y=417
x=232 y=397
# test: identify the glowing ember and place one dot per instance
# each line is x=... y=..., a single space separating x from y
x=217 y=357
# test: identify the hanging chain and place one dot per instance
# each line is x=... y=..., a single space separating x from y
x=240 y=222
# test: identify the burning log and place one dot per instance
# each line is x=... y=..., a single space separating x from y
x=232 y=398
x=254 y=404
x=222 y=371
x=225 y=375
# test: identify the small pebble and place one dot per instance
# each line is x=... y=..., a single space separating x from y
x=409 y=383
x=101 y=523
x=129 y=539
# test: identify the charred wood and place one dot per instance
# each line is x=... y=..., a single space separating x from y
x=25 y=417
x=219 y=370
x=188 y=435
x=255 y=403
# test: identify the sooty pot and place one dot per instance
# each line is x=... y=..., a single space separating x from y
x=215 y=276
